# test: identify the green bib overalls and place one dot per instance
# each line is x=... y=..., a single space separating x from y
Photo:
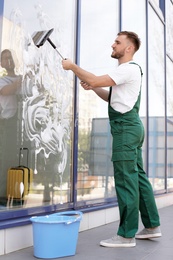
x=133 y=189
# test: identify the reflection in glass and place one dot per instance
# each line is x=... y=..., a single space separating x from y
x=169 y=28
x=169 y=123
x=10 y=97
x=156 y=102
x=43 y=122
x=95 y=170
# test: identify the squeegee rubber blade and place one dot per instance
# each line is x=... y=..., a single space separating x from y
x=40 y=37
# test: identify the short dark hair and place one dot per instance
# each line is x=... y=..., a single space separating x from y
x=5 y=51
x=133 y=37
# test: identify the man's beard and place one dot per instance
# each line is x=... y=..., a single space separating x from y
x=117 y=55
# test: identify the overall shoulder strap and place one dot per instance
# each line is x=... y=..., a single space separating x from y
x=132 y=62
x=109 y=97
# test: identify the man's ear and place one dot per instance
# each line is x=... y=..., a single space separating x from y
x=130 y=48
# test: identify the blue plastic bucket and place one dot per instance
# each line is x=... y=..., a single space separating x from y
x=56 y=235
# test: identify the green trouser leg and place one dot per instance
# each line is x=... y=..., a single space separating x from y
x=134 y=191
x=126 y=184
x=147 y=205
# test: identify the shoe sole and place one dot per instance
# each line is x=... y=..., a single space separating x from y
x=148 y=236
x=117 y=245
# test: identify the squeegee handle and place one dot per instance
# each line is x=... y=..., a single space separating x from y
x=53 y=45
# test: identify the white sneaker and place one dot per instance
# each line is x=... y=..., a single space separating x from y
x=118 y=241
x=149 y=233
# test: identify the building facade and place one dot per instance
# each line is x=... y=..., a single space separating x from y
x=49 y=124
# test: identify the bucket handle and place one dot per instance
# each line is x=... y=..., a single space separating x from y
x=68 y=213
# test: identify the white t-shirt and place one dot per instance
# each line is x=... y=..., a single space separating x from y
x=8 y=104
x=126 y=91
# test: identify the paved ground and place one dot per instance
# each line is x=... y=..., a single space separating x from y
x=88 y=244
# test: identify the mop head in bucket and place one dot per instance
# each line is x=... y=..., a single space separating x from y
x=56 y=235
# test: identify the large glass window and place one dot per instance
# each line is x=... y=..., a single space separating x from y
x=169 y=31
x=137 y=10
x=98 y=32
x=169 y=35
x=36 y=104
x=37 y=99
x=156 y=90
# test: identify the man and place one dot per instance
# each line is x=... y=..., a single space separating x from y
x=133 y=189
x=9 y=86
